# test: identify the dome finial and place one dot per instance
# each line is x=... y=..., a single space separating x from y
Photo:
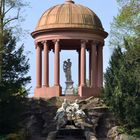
x=69 y=1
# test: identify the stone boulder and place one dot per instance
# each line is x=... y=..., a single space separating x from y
x=113 y=134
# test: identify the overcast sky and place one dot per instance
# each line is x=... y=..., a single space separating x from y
x=105 y=10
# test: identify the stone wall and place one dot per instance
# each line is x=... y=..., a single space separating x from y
x=39 y=118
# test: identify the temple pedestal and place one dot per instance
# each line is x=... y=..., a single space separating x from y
x=85 y=91
x=48 y=92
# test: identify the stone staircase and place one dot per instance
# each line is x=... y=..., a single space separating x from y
x=65 y=134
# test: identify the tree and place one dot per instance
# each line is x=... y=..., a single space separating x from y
x=122 y=85
x=12 y=89
x=15 y=68
x=112 y=95
x=7 y=7
x=122 y=77
x=126 y=24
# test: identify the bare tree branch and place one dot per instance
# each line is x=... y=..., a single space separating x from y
x=8 y=10
x=12 y=19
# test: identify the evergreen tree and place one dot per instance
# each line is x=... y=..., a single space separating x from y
x=112 y=91
x=7 y=8
x=12 y=89
x=15 y=68
x=122 y=78
x=122 y=85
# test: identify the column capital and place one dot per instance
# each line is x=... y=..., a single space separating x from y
x=93 y=43
x=38 y=44
x=56 y=45
x=84 y=41
x=56 y=41
x=44 y=42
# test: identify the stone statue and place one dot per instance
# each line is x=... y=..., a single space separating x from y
x=69 y=83
x=69 y=112
x=61 y=115
x=67 y=69
x=75 y=105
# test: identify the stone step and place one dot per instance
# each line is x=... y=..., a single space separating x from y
x=67 y=134
x=70 y=138
x=78 y=133
x=36 y=137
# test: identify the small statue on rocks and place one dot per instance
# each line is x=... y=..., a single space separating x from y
x=75 y=105
x=61 y=115
x=69 y=112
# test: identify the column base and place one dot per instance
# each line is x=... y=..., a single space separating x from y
x=48 y=92
x=85 y=91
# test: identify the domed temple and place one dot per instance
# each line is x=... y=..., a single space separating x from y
x=69 y=26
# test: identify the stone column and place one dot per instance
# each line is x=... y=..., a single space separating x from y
x=46 y=64
x=89 y=67
x=83 y=63
x=38 y=66
x=93 y=65
x=79 y=67
x=56 y=63
x=100 y=66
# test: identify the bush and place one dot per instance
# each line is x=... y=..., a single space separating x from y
x=21 y=135
x=136 y=132
x=10 y=114
x=122 y=86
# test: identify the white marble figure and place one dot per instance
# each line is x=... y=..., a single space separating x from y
x=68 y=112
x=69 y=90
x=67 y=69
x=75 y=105
x=80 y=113
x=61 y=115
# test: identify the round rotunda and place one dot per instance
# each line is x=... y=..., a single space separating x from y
x=69 y=26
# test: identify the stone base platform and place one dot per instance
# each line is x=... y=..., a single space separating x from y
x=71 y=134
x=56 y=91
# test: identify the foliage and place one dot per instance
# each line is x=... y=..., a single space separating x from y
x=15 y=68
x=76 y=90
x=127 y=23
x=122 y=85
x=7 y=8
x=12 y=88
x=10 y=114
x=136 y=132
x=14 y=136
x=122 y=77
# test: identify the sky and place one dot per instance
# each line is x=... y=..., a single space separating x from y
x=105 y=10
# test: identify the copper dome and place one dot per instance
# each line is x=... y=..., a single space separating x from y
x=69 y=15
